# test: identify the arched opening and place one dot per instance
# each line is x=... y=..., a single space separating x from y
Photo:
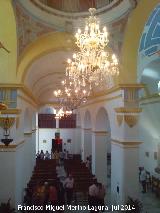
x=101 y=147
x=148 y=74
x=87 y=134
x=150 y=117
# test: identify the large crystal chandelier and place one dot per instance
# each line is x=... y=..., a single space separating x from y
x=92 y=64
x=71 y=97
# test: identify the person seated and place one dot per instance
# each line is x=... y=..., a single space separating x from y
x=47 y=155
x=42 y=155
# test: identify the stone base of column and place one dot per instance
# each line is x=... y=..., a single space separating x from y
x=124 y=171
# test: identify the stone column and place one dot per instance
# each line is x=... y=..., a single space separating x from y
x=86 y=143
x=57 y=123
x=125 y=147
x=77 y=143
x=99 y=155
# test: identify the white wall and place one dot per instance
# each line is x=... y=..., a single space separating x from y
x=49 y=134
x=150 y=135
x=7 y=176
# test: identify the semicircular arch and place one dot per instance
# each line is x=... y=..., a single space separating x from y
x=87 y=121
x=45 y=44
x=102 y=120
x=132 y=39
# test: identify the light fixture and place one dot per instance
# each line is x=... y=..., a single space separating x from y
x=6 y=123
x=92 y=64
x=71 y=96
x=59 y=114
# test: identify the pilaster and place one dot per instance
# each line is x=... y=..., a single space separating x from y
x=99 y=155
x=125 y=146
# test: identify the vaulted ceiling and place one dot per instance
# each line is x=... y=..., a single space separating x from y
x=36 y=18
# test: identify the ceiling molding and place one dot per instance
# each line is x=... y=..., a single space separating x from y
x=128 y=110
x=11 y=111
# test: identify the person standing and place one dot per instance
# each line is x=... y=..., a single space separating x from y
x=68 y=185
x=47 y=155
x=143 y=177
x=101 y=194
x=42 y=155
x=92 y=194
x=53 y=196
x=61 y=192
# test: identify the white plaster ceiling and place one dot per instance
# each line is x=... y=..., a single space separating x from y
x=45 y=75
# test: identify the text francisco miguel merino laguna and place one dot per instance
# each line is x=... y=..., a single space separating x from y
x=75 y=208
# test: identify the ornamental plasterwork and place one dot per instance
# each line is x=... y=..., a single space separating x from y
x=130 y=119
x=116 y=35
x=28 y=28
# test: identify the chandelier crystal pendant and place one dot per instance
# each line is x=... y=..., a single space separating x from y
x=92 y=39
x=71 y=97
x=92 y=64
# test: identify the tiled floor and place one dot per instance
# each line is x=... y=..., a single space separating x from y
x=151 y=203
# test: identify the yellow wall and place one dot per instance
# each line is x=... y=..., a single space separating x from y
x=132 y=38
x=55 y=41
x=58 y=41
x=8 y=62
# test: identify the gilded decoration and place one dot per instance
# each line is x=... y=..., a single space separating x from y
x=128 y=115
x=131 y=120
x=6 y=122
x=28 y=27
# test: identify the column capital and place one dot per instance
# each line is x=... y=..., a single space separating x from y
x=128 y=110
x=129 y=115
x=126 y=144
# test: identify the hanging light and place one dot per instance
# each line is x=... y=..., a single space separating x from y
x=92 y=64
x=60 y=113
x=69 y=97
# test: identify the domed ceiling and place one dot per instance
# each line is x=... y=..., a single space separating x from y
x=75 y=5
x=37 y=18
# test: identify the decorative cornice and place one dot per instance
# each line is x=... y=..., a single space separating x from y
x=10 y=147
x=27 y=133
x=87 y=129
x=126 y=144
x=11 y=111
x=150 y=99
x=76 y=14
x=101 y=133
x=10 y=86
x=27 y=100
x=155 y=95
x=128 y=110
x=102 y=100
x=116 y=88
x=24 y=89
x=138 y=86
